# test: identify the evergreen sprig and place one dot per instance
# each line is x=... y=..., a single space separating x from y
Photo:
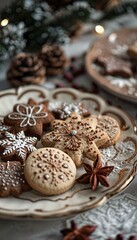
x=42 y=23
x=119 y=10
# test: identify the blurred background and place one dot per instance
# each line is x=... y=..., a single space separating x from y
x=30 y=26
x=46 y=43
x=5 y=3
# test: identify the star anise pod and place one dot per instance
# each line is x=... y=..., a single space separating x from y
x=75 y=233
x=96 y=174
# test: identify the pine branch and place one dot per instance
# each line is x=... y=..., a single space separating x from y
x=120 y=10
x=33 y=23
x=91 y=3
x=72 y=15
x=18 y=11
x=52 y=30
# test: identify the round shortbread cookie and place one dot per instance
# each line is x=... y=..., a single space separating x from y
x=50 y=171
x=111 y=127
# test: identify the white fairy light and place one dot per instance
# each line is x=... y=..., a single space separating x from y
x=99 y=29
x=4 y=22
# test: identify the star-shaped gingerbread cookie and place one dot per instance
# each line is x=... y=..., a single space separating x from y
x=30 y=118
x=115 y=66
x=77 y=137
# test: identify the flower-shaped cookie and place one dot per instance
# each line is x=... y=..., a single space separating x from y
x=77 y=137
x=30 y=118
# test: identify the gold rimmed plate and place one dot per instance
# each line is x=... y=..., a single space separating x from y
x=80 y=198
x=115 y=44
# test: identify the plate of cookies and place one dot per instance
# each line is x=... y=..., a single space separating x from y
x=112 y=63
x=62 y=152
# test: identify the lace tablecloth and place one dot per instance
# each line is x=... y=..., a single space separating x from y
x=119 y=214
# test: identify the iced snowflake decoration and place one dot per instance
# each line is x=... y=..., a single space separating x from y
x=17 y=145
x=3 y=128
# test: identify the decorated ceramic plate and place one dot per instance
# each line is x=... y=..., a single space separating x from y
x=80 y=197
x=113 y=78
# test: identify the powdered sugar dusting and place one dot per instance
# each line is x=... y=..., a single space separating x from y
x=120 y=50
x=53 y=105
x=117 y=154
x=130 y=85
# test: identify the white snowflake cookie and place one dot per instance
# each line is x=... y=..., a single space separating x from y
x=17 y=146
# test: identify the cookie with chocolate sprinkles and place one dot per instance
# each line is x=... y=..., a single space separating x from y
x=50 y=171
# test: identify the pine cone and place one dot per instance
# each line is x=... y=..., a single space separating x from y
x=26 y=69
x=54 y=59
